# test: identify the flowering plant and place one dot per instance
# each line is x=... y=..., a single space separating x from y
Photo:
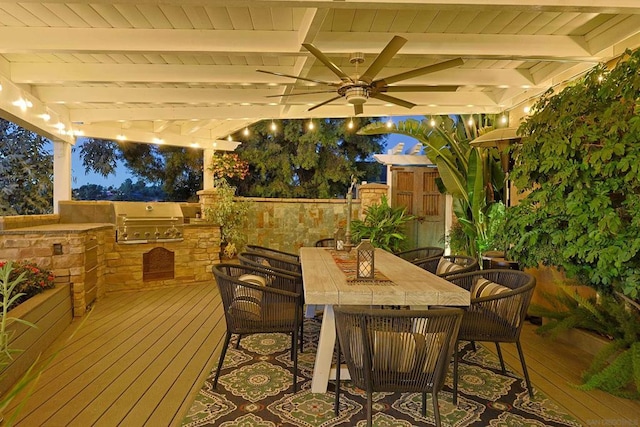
x=228 y=165
x=34 y=279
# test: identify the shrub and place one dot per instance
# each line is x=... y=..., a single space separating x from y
x=34 y=281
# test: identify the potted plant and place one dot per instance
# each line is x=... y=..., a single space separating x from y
x=383 y=225
x=473 y=176
x=228 y=212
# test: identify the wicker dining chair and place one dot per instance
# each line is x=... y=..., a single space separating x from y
x=274 y=261
x=264 y=261
x=396 y=350
x=499 y=303
x=420 y=253
x=447 y=265
x=255 y=301
x=274 y=253
x=329 y=242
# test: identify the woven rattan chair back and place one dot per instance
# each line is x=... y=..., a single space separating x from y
x=397 y=350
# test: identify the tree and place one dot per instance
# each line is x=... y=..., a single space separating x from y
x=26 y=172
x=178 y=170
x=472 y=176
x=579 y=163
x=297 y=162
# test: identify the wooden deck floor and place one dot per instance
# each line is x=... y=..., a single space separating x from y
x=140 y=358
x=137 y=360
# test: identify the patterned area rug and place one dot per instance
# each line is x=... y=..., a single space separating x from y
x=255 y=389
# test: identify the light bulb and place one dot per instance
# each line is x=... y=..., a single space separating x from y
x=389 y=124
x=433 y=123
x=229 y=138
x=121 y=137
x=350 y=124
x=503 y=119
x=527 y=109
x=600 y=78
x=245 y=132
x=470 y=122
x=311 y=125
x=273 y=126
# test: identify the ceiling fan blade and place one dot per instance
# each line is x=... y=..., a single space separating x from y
x=393 y=100
x=419 y=72
x=298 y=77
x=324 y=103
x=357 y=108
x=301 y=93
x=327 y=62
x=383 y=58
x=418 y=88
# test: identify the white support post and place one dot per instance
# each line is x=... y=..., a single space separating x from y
x=207 y=179
x=61 y=173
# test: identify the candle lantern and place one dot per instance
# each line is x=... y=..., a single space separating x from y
x=339 y=239
x=365 y=254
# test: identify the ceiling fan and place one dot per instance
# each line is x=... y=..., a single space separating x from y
x=358 y=88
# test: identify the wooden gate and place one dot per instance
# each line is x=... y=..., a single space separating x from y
x=415 y=189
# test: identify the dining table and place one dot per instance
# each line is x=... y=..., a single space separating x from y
x=330 y=279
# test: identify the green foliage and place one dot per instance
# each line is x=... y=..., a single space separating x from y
x=580 y=162
x=616 y=368
x=471 y=175
x=26 y=172
x=297 y=162
x=383 y=225
x=178 y=170
x=230 y=214
x=28 y=279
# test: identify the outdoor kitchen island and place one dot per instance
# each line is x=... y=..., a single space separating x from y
x=82 y=242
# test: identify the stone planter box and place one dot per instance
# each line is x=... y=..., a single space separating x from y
x=52 y=312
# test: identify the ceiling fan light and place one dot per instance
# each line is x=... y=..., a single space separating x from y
x=357 y=95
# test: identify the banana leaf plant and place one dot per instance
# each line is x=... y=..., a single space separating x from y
x=473 y=176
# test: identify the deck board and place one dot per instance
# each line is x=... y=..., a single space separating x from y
x=140 y=358
x=554 y=366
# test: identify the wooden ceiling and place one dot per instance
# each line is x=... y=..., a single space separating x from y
x=184 y=71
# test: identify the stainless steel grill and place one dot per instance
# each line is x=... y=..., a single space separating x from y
x=141 y=222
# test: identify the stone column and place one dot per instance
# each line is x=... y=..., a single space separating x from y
x=61 y=172
x=370 y=194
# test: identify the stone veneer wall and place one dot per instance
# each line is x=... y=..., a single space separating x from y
x=194 y=257
x=289 y=224
x=36 y=244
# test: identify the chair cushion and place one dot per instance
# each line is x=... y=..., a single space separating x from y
x=253 y=279
x=394 y=351
x=485 y=287
x=446 y=266
x=247 y=301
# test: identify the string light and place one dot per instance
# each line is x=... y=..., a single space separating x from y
x=389 y=123
x=274 y=127
x=245 y=132
x=526 y=109
x=311 y=125
x=121 y=137
x=503 y=119
x=350 y=124
x=600 y=78
x=433 y=122
x=229 y=138
x=470 y=121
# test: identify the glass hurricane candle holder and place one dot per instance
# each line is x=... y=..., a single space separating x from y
x=339 y=239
